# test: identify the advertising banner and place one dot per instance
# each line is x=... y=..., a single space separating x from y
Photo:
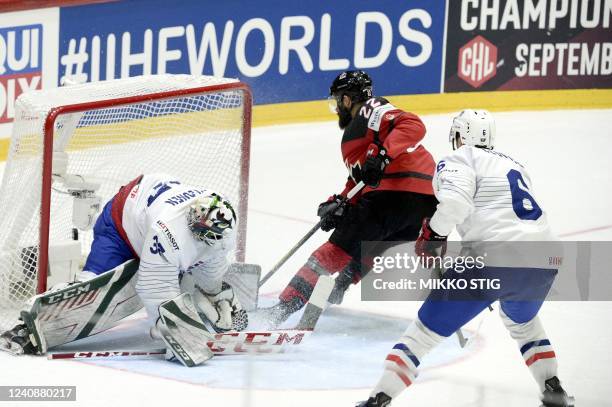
x=528 y=44
x=28 y=57
x=286 y=51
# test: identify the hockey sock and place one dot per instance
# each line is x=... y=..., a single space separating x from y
x=535 y=347
x=402 y=362
x=327 y=259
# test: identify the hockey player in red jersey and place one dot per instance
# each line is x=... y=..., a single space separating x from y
x=381 y=146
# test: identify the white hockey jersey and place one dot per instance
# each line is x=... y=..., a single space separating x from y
x=487 y=195
x=154 y=219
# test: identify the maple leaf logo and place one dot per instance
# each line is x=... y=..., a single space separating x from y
x=354 y=170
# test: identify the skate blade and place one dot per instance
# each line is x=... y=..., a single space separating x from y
x=567 y=401
x=10 y=348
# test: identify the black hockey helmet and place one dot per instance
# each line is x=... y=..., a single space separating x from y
x=356 y=84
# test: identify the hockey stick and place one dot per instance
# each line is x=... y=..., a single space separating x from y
x=316 y=303
x=460 y=337
x=303 y=240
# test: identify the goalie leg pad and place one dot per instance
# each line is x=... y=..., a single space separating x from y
x=183 y=331
x=82 y=309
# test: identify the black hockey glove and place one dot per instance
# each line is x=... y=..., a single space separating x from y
x=374 y=165
x=332 y=211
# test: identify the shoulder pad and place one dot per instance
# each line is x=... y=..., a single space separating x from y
x=374 y=110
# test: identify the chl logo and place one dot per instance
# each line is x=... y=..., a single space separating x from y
x=477 y=61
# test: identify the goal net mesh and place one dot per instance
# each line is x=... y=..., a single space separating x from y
x=197 y=135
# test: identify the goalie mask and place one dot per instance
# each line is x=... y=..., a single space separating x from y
x=211 y=218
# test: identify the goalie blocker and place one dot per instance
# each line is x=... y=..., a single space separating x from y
x=183 y=331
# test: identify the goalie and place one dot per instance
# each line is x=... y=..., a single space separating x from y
x=175 y=231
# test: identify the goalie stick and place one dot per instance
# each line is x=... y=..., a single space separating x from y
x=232 y=343
x=227 y=343
x=108 y=354
x=303 y=240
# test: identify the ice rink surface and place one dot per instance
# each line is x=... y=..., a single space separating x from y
x=293 y=168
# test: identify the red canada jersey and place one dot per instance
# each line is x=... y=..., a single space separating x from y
x=400 y=133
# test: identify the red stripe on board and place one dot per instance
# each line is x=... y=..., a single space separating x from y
x=538 y=356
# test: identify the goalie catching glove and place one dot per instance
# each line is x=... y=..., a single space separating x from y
x=222 y=309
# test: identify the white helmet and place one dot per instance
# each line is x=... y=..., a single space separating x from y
x=211 y=218
x=474 y=128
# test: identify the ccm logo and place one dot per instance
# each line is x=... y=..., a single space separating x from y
x=69 y=294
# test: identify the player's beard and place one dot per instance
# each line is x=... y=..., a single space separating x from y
x=344 y=117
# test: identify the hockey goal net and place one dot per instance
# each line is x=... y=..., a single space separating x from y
x=100 y=136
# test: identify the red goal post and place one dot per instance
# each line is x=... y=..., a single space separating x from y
x=194 y=128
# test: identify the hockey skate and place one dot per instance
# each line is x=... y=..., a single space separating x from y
x=555 y=396
x=17 y=341
x=279 y=313
x=380 y=400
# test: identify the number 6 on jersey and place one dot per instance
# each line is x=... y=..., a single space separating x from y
x=524 y=205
